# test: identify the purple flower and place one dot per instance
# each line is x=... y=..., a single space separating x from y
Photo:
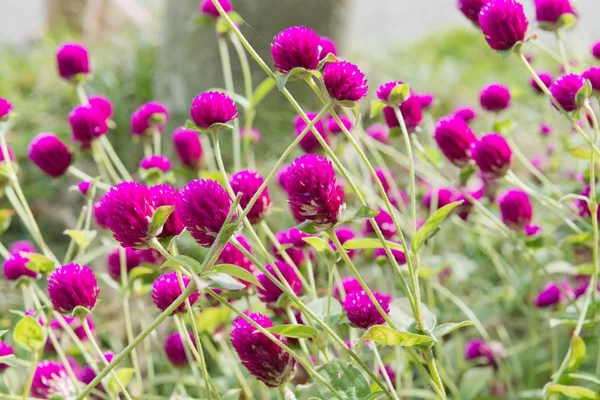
x=51 y=379
x=495 y=97
x=545 y=77
x=156 y=161
x=87 y=123
x=515 y=209
x=309 y=142
x=379 y=132
x=465 y=208
x=188 y=147
x=465 y=112
x=503 y=23
x=565 y=89
x=492 y=155
x=24 y=246
x=545 y=129
x=247 y=183
x=71 y=286
x=426 y=100
x=327 y=46
x=166 y=195
x=296 y=47
x=16 y=266
x=50 y=154
x=548 y=12
x=390 y=373
x=411 y=110
x=251 y=134
x=203 y=206
x=381 y=176
x=210 y=108
x=384 y=91
x=292 y=240
x=532 y=230
x=84 y=187
x=264 y=359
x=313 y=192
x=5 y=350
x=149 y=115
x=11 y=155
x=478 y=348
x=151 y=256
x=593 y=75
x=349 y=284
x=344 y=81
x=385 y=223
x=132 y=260
x=379 y=254
x=103 y=104
x=175 y=347
x=269 y=293
x=280 y=175
x=167 y=288
x=334 y=127
x=361 y=310
x=455 y=138
x=128 y=207
x=5 y=109
x=471 y=9
x=443 y=196
x=72 y=60
x=551 y=294
x=343 y=235
x=231 y=255
x=100 y=213
x=88 y=374
x=582 y=205
x=208 y=8
x=596 y=50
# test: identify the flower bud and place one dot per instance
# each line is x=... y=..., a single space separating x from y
x=596 y=50
x=471 y=9
x=455 y=138
x=87 y=123
x=327 y=47
x=565 y=89
x=545 y=129
x=150 y=115
x=167 y=288
x=361 y=310
x=175 y=347
x=593 y=75
x=344 y=81
x=247 y=183
x=156 y=161
x=269 y=293
x=103 y=104
x=466 y=113
x=545 y=77
x=210 y=108
x=188 y=147
x=492 y=155
x=72 y=61
x=495 y=97
x=551 y=294
x=503 y=23
x=296 y=47
x=515 y=209
x=72 y=286
x=549 y=12
x=50 y=154
x=478 y=348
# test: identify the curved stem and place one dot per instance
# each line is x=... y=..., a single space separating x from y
x=228 y=77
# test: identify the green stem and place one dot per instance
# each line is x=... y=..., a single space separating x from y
x=34 y=360
x=78 y=226
x=79 y=174
x=114 y=157
x=382 y=369
x=411 y=169
x=563 y=53
x=228 y=77
x=189 y=349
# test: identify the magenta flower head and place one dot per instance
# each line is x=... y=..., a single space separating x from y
x=545 y=77
x=515 y=209
x=384 y=92
x=84 y=187
x=175 y=347
x=593 y=75
x=411 y=110
x=545 y=129
x=203 y=206
x=334 y=127
x=166 y=289
x=251 y=134
x=166 y=195
x=444 y=197
x=210 y=108
x=71 y=286
x=73 y=61
x=379 y=132
x=380 y=256
x=361 y=310
x=264 y=359
x=480 y=349
x=87 y=123
x=492 y=155
x=465 y=113
x=503 y=23
x=349 y=284
x=343 y=235
x=495 y=97
x=292 y=240
x=309 y=142
x=327 y=47
x=464 y=209
x=188 y=147
x=156 y=161
x=296 y=47
x=5 y=109
x=16 y=266
x=471 y=9
x=103 y=104
x=455 y=138
x=596 y=50
x=51 y=379
x=129 y=207
x=132 y=260
x=385 y=223
x=5 y=350
x=231 y=255
x=381 y=177
x=100 y=214
x=247 y=183
x=269 y=293
x=551 y=294
x=344 y=81
x=426 y=100
x=313 y=192
x=50 y=154
x=549 y=13
x=149 y=115
x=24 y=246
x=565 y=89
x=208 y=8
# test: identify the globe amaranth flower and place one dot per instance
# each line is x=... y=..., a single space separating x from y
x=565 y=89
x=210 y=108
x=309 y=142
x=16 y=266
x=545 y=129
x=495 y=97
x=175 y=347
x=270 y=292
x=503 y=23
x=464 y=209
x=426 y=100
x=280 y=175
x=439 y=197
x=313 y=192
x=207 y=7
x=466 y=113
x=73 y=285
x=188 y=147
x=84 y=187
x=5 y=350
x=411 y=111
x=343 y=235
x=334 y=127
x=50 y=154
x=231 y=255
x=203 y=206
x=493 y=155
x=72 y=60
x=132 y=260
x=156 y=161
x=296 y=47
x=361 y=310
x=596 y=50
x=251 y=134
x=471 y=9
x=549 y=12
x=151 y=256
x=344 y=81
x=327 y=46
x=167 y=288
x=100 y=214
x=293 y=243
x=553 y=293
x=88 y=374
x=50 y=379
x=545 y=77
x=345 y=286
x=166 y=195
x=264 y=359
x=149 y=115
x=455 y=138
x=103 y=104
x=87 y=123
x=385 y=223
x=515 y=209
x=24 y=246
x=5 y=109
x=128 y=208
x=247 y=183
x=489 y=352
x=384 y=91
x=382 y=176
x=380 y=255
x=593 y=75
x=379 y=132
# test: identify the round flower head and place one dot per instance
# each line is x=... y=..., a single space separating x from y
x=264 y=359
x=532 y=230
x=343 y=235
x=382 y=177
x=464 y=209
x=188 y=147
x=128 y=207
x=545 y=77
x=479 y=349
x=72 y=60
x=492 y=155
x=379 y=254
x=203 y=206
x=84 y=187
x=309 y=142
x=495 y=97
x=455 y=138
x=16 y=266
x=503 y=23
x=231 y=255
x=465 y=113
x=545 y=129
x=411 y=110
x=593 y=75
x=149 y=115
x=166 y=289
x=50 y=154
x=5 y=350
x=71 y=286
x=334 y=127
x=207 y=7
x=385 y=223
x=515 y=209
x=251 y=134
x=103 y=104
x=5 y=109
x=132 y=260
x=551 y=294
x=280 y=175
x=210 y=108
x=349 y=284
x=166 y=195
x=313 y=192
x=344 y=81
x=596 y=50
x=443 y=196
x=175 y=348
x=247 y=183
x=361 y=310
x=327 y=47
x=100 y=214
x=565 y=89
x=549 y=12
x=384 y=91
x=151 y=256
x=426 y=100
x=156 y=161
x=379 y=132
x=269 y=293
x=51 y=379
x=24 y=246
x=296 y=47
x=471 y=9
x=292 y=241
x=87 y=123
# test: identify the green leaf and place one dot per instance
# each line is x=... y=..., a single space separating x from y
x=392 y=337
x=29 y=334
x=445 y=329
x=140 y=271
x=182 y=260
x=319 y=308
x=583 y=93
x=211 y=318
x=224 y=281
x=228 y=231
x=158 y=220
x=237 y=272
x=503 y=127
x=369 y=243
x=474 y=381
x=3 y=332
x=297 y=331
x=9 y=360
x=580 y=152
x=466 y=173
x=40 y=263
x=584 y=376
x=330 y=57
x=375 y=395
x=573 y=392
x=5 y=219
x=432 y=225
x=318 y=244
x=261 y=92
x=376 y=107
x=123 y=375
x=344 y=378
x=293 y=74
x=577 y=353
x=399 y=94
x=307 y=227
x=192 y=126
x=81 y=238
x=366 y=212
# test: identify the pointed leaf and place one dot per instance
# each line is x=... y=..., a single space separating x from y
x=574 y=392
x=444 y=329
x=28 y=333
x=399 y=94
x=366 y=212
x=432 y=225
x=466 y=173
x=584 y=376
x=369 y=243
x=318 y=244
x=124 y=375
x=39 y=263
x=224 y=281
x=237 y=272
x=577 y=353
x=158 y=220
x=182 y=260
x=376 y=107
x=297 y=331
x=391 y=337
x=81 y=238
x=346 y=379
x=307 y=227
x=583 y=93
x=580 y=152
x=5 y=219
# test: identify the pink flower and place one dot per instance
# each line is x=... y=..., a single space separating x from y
x=334 y=127
x=156 y=161
x=455 y=138
x=296 y=47
x=379 y=132
x=361 y=310
x=495 y=97
x=545 y=77
x=269 y=293
x=231 y=255
x=292 y=240
x=72 y=286
x=50 y=154
x=309 y=142
x=466 y=113
x=132 y=260
x=344 y=81
x=327 y=46
x=565 y=89
x=167 y=288
x=515 y=209
x=443 y=196
x=166 y=195
x=84 y=187
x=492 y=155
x=16 y=266
x=72 y=61
x=210 y=108
x=349 y=284
x=381 y=177
x=5 y=350
x=247 y=183
x=478 y=348
x=471 y=8
x=548 y=12
x=5 y=109
x=188 y=147
x=175 y=347
x=251 y=134
x=207 y=7
x=385 y=223
x=593 y=75
x=103 y=104
x=552 y=294
x=50 y=379
x=150 y=115
x=596 y=50
x=343 y=235
x=24 y=246
x=87 y=123
x=411 y=110
x=503 y=23
x=380 y=255
x=545 y=129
